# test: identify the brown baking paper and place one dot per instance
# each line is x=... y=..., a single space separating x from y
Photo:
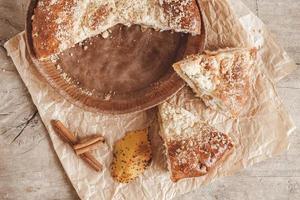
x=262 y=133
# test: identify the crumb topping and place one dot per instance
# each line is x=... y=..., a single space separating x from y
x=193 y=146
x=196 y=152
x=177 y=122
x=176 y=12
x=223 y=79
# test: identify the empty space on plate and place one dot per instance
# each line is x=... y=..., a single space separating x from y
x=127 y=60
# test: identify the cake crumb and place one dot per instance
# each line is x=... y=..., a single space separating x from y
x=143 y=29
x=105 y=34
x=86 y=92
x=58 y=67
x=66 y=77
x=54 y=58
x=108 y=96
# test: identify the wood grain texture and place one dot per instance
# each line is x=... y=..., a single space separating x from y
x=25 y=174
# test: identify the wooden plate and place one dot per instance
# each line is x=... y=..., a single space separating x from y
x=127 y=72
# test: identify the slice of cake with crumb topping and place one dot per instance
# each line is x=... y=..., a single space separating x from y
x=193 y=147
x=222 y=79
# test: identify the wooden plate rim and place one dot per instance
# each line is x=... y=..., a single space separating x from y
x=90 y=103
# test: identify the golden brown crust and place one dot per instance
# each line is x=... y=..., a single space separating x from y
x=193 y=157
x=94 y=18
x=44 y=25
x=131 y=156
x=183 y=12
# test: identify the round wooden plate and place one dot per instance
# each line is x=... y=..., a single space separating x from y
x=127 y=72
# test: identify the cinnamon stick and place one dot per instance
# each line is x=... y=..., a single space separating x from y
x=70 y=138
x=64 y=132
x=86 y=148
x=90 y=159
x=88 y=142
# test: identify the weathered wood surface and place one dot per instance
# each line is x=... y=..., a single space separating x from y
x=29 y=168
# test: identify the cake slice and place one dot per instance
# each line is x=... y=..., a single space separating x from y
x=222 y=79
x=193 y=147
x=59 y=24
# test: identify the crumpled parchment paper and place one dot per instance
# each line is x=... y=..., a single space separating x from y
x=261 y=134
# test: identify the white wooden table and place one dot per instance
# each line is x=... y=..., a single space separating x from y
x=29 y=168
